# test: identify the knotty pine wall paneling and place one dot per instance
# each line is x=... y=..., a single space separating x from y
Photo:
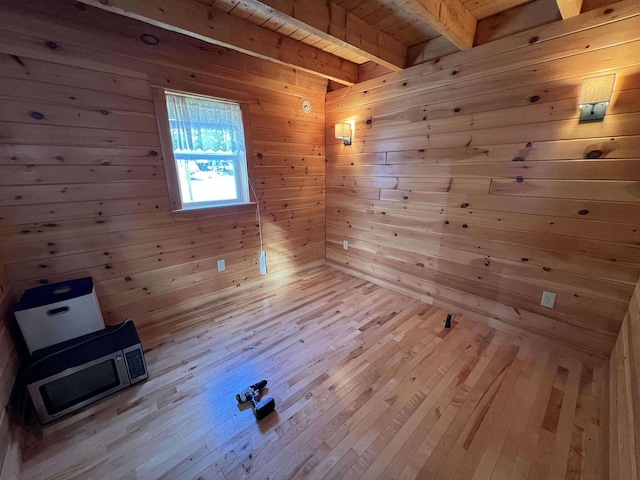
x=471 y=184
x=83 y=190
x=9 y=460
x=624 y=396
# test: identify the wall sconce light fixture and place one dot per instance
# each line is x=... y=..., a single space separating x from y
x=343 y=131
x=595 y=96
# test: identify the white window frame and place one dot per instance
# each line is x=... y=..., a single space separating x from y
x=171 y=166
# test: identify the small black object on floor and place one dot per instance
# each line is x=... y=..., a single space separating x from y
x=261 y=407
x=447 y=323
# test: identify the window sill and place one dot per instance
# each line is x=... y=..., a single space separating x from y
x=213 y=212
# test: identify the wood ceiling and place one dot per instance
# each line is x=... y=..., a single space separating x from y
x=334 y=38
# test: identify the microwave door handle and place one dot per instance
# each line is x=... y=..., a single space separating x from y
x=121 y=367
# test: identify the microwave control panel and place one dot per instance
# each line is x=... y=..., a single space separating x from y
x=136 y=364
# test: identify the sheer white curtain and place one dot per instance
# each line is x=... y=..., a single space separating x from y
x=203 y=125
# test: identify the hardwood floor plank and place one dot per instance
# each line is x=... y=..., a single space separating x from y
x=367 y=384
x=534 y=428
x=559 y=458
x=488 y=457
x=472 y=406
x=405 y=383
x=491 y=414
x=509 y=451
x=389 y=442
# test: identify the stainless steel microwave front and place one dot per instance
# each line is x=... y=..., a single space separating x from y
x=95 y=391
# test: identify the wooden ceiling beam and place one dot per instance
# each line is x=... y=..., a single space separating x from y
x=569 y=8
x=429 y=50
x=518 y=19
x=450 y=18
x=334 y=24
x=214 y=26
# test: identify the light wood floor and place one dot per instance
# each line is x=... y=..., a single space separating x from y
x=367 y=384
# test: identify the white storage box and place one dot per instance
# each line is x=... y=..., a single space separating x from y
x=58 y=312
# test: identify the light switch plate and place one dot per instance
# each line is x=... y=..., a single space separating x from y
x=345 y=244
x=221 y=266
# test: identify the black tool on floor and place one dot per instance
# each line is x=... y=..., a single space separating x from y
x=447 y=323
x=261 y=407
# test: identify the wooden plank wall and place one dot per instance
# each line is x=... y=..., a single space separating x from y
x=471 y=184
x=624 y=397
x=83 y=190
x=8 y=368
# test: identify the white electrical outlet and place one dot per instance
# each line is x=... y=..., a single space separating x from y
x=548 y=299
x=345 y=244
x=221 y=266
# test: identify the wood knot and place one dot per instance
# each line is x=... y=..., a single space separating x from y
x=533 y=40
x=594 y=153
x=36 y=115
x=149 y=39
x=519 y=179
x=583 y=212
x=534 y=99
x=464 y=205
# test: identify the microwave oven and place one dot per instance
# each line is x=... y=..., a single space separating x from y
x=65 y=377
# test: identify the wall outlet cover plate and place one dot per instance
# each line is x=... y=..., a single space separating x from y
x=548 y=299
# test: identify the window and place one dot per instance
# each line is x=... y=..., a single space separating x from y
x=208 y=144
